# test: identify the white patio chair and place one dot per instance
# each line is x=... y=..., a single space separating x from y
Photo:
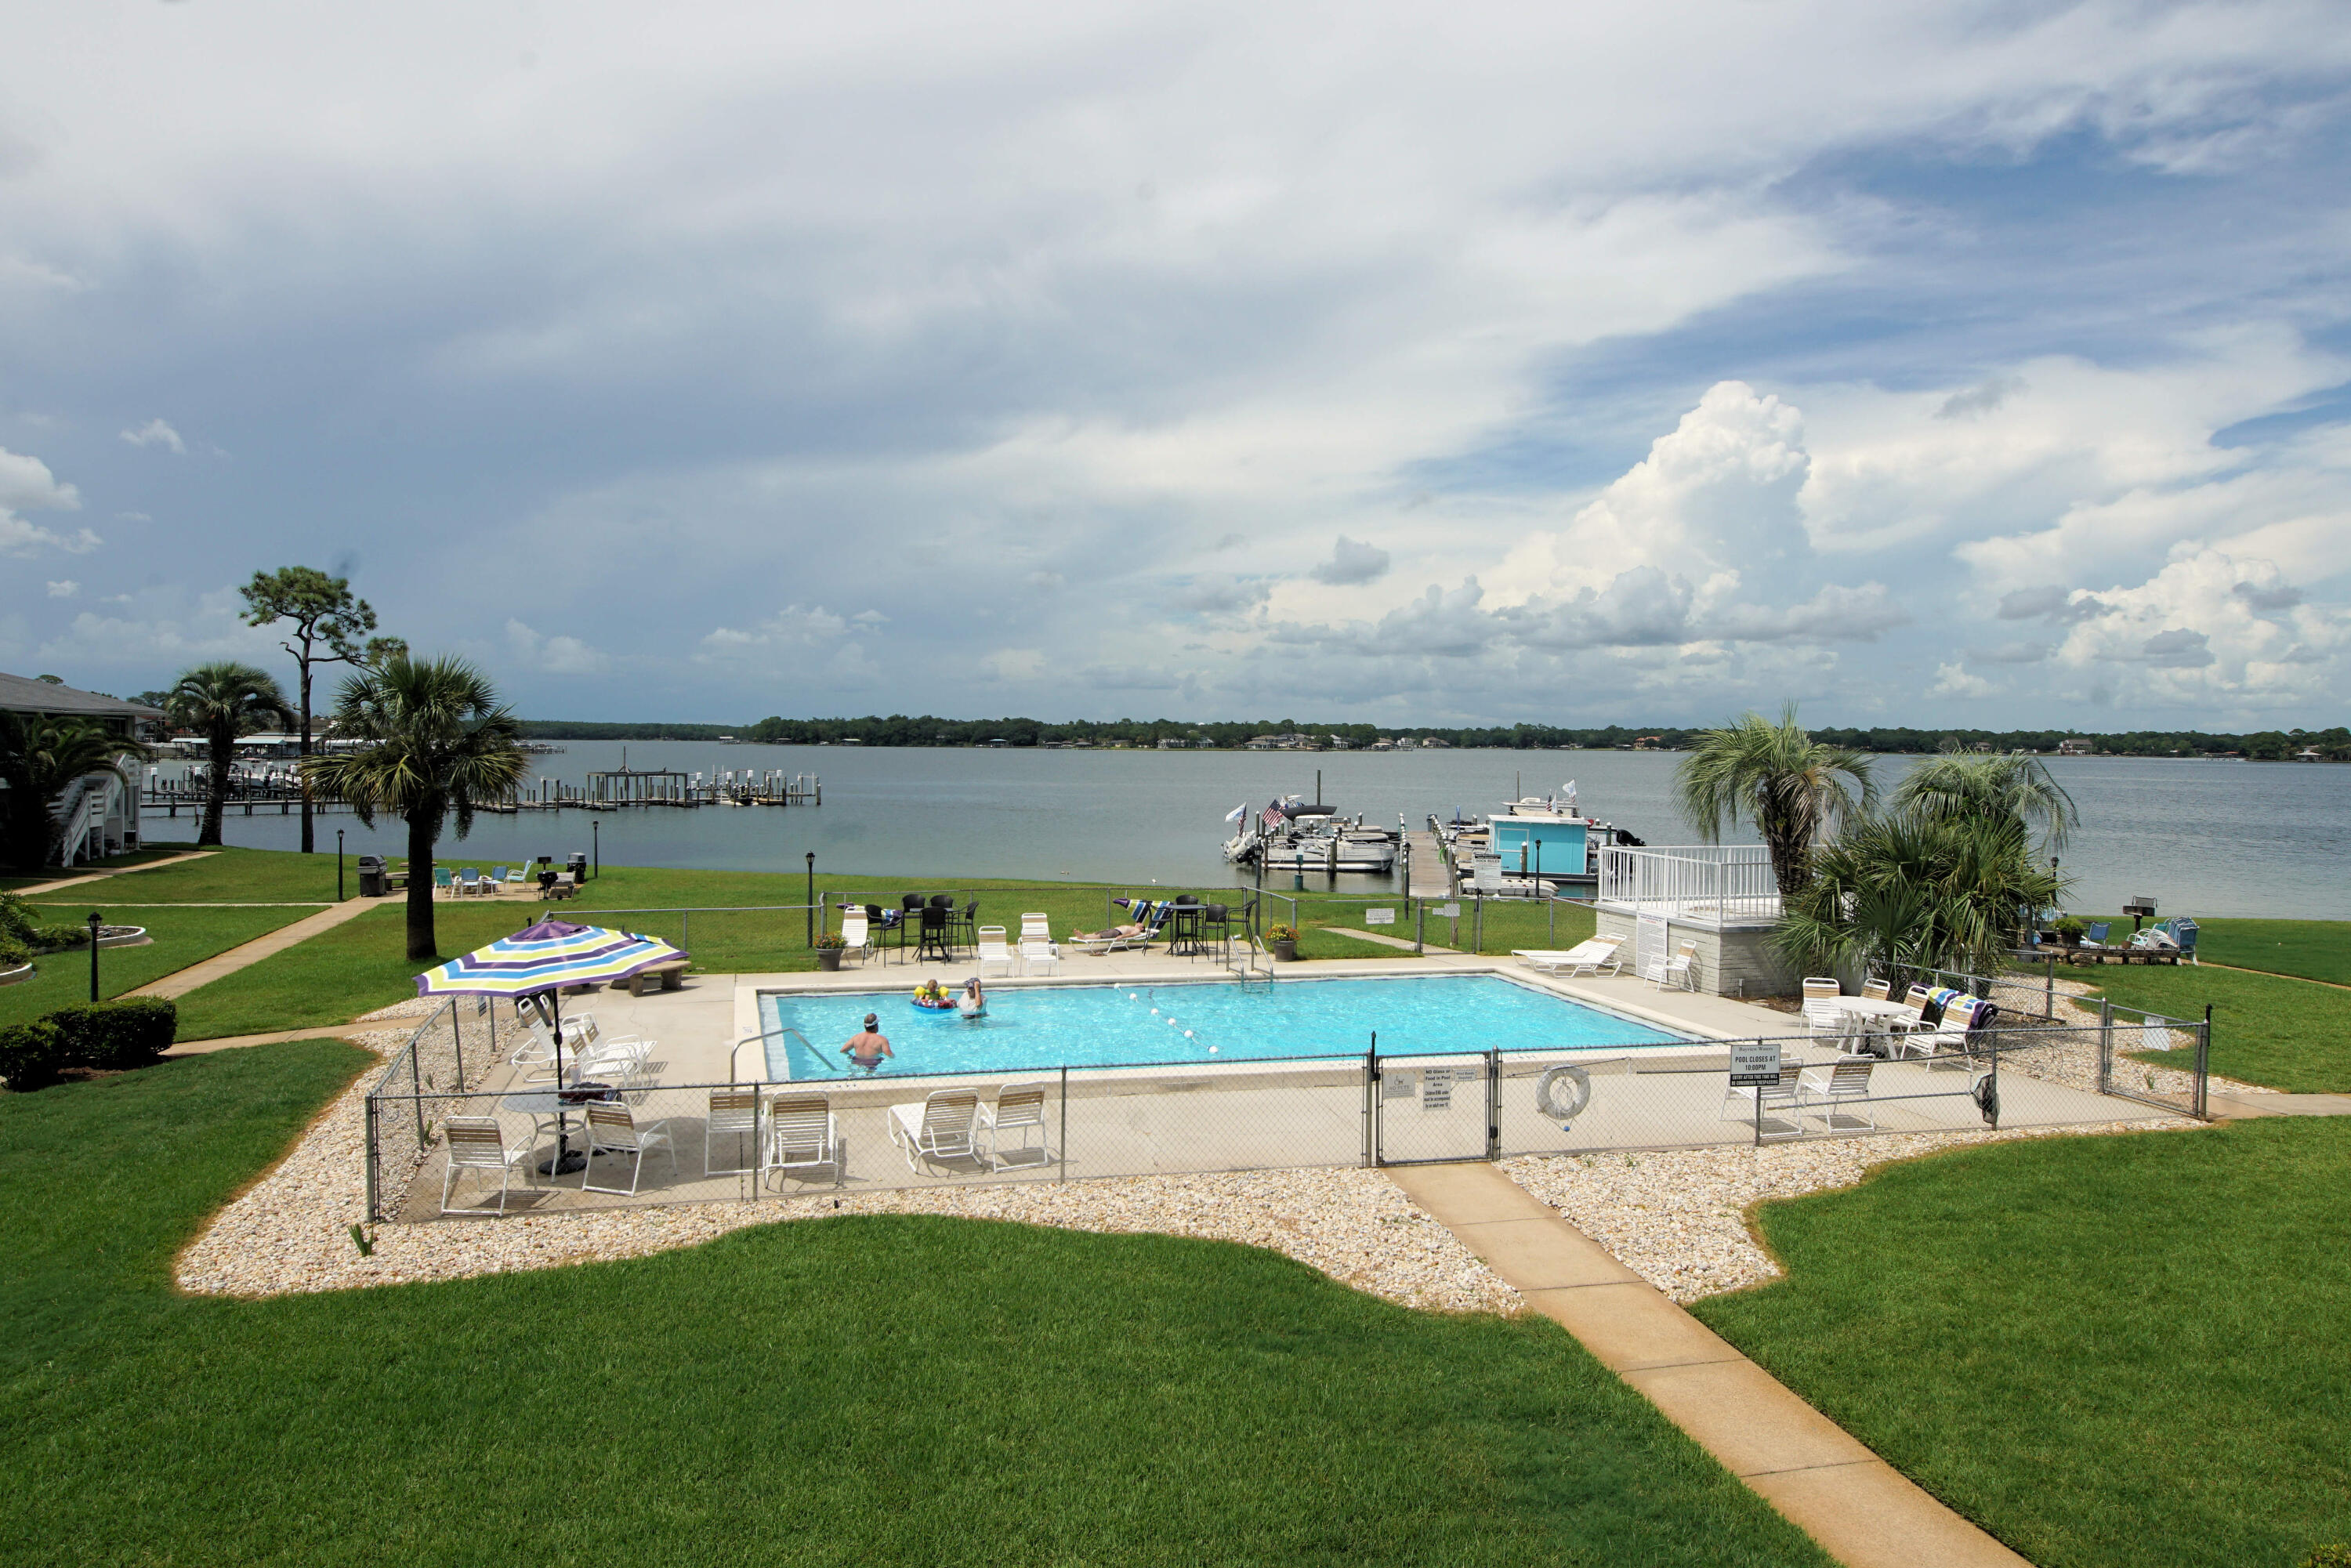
x=1681 y=969
x=734 y=1115
x=1823 y=1007
x=479 y=1144
x=856 y=935
x=1039 y=958
x=943 y=1127
x=1876 y=991
x=1035 y=927
x=1785 y=1098
x=613 y=1130
x=515 y=874
x=1019 y=1112
x=802 y=1135
x=995 y=956
x=1846 y=1084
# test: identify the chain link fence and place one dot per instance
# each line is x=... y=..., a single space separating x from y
x=634 y=1141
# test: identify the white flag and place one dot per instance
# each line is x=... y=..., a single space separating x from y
x=1238 y=812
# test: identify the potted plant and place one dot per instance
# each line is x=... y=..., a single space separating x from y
x=1283 y=942
x=829 y=948
x=2069 y=930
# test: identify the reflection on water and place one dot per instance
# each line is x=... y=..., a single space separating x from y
x=2203 y=838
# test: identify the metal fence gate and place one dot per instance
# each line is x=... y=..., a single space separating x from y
x=1427 y=1108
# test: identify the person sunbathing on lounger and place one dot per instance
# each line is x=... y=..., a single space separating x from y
x=1115 y=934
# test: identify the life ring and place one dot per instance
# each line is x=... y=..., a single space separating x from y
x=1579 y=1094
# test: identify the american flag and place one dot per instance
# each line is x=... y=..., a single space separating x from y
x=1273 y=817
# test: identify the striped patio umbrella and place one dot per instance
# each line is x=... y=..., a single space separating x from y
x=545 y=958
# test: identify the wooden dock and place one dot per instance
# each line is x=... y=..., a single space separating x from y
x=1431 y=877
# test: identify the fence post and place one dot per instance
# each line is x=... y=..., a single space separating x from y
x=2049 y=988
x=1757 y=1089
x=1477 y=925
x=1063 y=1175
x=416 y=1091
x=456 y=1045
x=1494 y=1104
x=373 y=1162
x=1370 y=1101
x=2203 y=1063
x=685 y=929
x=1994 y=1117
x=2105 y=1045
x=1420 y=925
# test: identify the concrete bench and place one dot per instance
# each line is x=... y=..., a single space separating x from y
x=667 y=977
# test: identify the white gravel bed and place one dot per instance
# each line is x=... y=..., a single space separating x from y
x=1678 y=1218
x=291 y=1231
x=414 y=1008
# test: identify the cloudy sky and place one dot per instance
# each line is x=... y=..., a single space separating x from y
x=1932 y=363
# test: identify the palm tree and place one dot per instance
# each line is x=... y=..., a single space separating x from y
x=220 y=701
x=1910 y=890
x=1793 y=790
x=433 y=740
x=40 y=758
x=2011 y=789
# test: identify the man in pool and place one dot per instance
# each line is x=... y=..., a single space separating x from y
x=869 y=1049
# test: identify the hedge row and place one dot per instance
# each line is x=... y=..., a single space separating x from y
x=129 y=1031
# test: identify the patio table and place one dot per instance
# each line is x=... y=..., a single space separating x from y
x=558 y=1103
x=1871 y=1016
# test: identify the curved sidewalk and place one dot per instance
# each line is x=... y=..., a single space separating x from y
x=179 y=982
x=1861 y=1510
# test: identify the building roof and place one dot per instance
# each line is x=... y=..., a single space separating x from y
x=21 y=694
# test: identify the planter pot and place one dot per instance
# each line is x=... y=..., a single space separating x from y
x=829 y=959
x=123 y=936
x=1284 y=952
x=21 y=972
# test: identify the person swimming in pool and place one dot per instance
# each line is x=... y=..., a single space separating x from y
x=974 y=1002
x=869 y=1049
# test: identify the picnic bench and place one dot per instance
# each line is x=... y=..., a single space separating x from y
x=669 y=976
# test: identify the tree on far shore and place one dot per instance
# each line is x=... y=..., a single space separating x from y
x=327 y=622
x=432 y=740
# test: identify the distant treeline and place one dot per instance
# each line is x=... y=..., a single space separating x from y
x=898 y=729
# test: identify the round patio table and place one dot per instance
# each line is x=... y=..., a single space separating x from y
x=557 y=1103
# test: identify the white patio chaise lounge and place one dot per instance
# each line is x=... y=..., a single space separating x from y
x=1125 y=938
x=1018 y=1113
x=943 y=1127
x=802 y=1135
x=856 y=935
x=478 y=1143
x=996 y=955
x=1588 y=957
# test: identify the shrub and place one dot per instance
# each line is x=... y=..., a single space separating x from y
x=16 y=920
x=2337 y=1555
x=129 y=1031
x=13 y=951
x=56 y=937
x=830 y=939
x=2073 y=927
x=1281 y=933
x=30 y=1054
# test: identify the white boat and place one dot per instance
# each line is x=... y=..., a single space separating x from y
x=1290 y=836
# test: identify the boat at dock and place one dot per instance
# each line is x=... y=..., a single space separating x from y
x=1290 y=835
x=1542 y=847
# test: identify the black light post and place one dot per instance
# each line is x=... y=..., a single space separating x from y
x=93 y=954
x=812 y=899
x=338 y=865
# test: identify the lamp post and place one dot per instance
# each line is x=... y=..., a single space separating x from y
x=338 y=865
x=93 y=954
x=812 y=899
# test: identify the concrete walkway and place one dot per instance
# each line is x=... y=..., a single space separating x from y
x=233 y=1042
x=1860 y=1509
x=47 y=888
x=180 y=982
x=2236 y=1106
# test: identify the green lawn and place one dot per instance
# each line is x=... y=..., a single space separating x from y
x=2285 y=1033
x=2314 y=949
x=2106 y=1351
x=111 y=863
x=228 y=876
x=181 y=937
x=857 y=1390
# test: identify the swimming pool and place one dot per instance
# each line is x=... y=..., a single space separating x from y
x=1026 y=1030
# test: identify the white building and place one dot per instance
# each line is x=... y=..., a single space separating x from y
x=98 y=814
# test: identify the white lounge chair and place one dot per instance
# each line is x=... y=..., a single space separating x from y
x=856 y=935
x=613 y=1130
x=1824 y=1009
x=996 y=955
x=1678 y=973
x=1019 y=1111
x=734 y=1121
x=1039 y=958
x=943 y=1127
x=1128 y=937
x=478 y=1143
x=1034 y=927
x=1846 y=1084
x=1784 y=1099
x=1587 y=958
x=802 y=1135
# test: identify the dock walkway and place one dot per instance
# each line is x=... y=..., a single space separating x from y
x=1431 y=877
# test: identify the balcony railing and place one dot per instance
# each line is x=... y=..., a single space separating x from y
x=1714 y=884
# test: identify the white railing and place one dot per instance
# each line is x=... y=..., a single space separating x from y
x=1707 y=883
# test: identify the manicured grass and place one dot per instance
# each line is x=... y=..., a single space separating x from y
x=2314 y=949
x=230 y=876
x=181 y=937
x=2106 y=1351
x=2266 y=1028
x=111 y=863
x=865 y=1390
x=337 y=974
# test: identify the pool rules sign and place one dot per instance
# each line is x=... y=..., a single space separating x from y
x=1755 y=1064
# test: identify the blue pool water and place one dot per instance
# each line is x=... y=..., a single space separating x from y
x=1099 y=1025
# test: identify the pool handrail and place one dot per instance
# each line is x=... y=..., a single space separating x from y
x=760 y=1039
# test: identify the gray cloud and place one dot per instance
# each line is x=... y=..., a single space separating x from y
x=1219 y=593
x=2267 y=601
x=2179 y=649
x=1979 y=399
x=2012 y=654
x=1352 y=563
x=2057 y=604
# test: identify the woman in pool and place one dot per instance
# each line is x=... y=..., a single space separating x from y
x=974 y=1002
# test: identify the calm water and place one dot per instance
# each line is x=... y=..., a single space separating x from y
x=2203 y=838
x=1096 y=1026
